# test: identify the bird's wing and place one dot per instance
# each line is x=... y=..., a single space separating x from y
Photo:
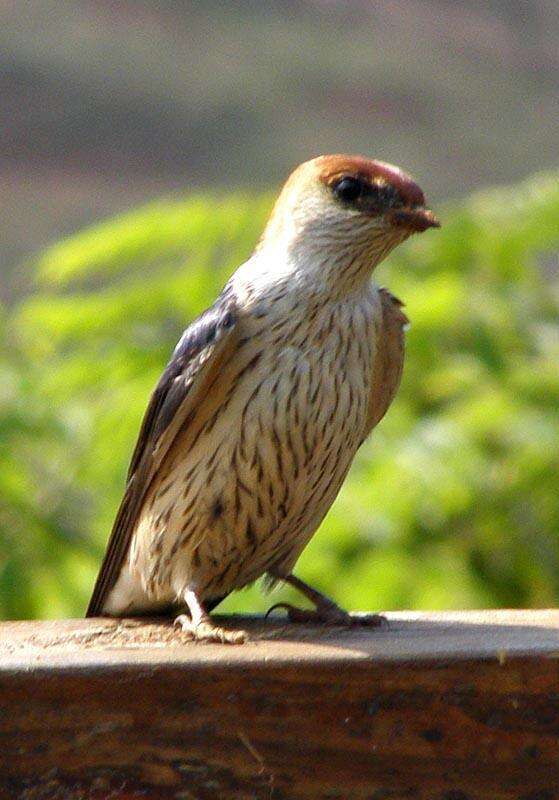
x=192 y=370
x=389 y=358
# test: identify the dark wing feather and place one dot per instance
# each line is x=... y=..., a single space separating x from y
x=198 y=354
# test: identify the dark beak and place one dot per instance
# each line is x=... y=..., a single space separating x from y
x=415 y=219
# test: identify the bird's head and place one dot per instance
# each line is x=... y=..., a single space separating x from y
x=341 y=209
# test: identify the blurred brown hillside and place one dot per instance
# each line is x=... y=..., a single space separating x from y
x=106 y=104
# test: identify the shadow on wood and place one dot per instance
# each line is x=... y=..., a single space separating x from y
x=456 y=706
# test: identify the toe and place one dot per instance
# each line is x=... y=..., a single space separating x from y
x=235 y=637
x=331 y=614
x=369 y=620
x=206 y=632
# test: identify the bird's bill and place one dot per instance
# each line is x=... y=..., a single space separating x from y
x=414 y=219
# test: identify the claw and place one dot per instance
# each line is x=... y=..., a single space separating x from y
x=286 y=606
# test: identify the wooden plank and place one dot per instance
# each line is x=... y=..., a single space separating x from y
x=454 y=706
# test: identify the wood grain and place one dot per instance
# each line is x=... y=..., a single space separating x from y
x=456 y=706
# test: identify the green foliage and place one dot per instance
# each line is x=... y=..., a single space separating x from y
x=451 y=503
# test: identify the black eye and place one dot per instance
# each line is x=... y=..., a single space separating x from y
x=349 y=189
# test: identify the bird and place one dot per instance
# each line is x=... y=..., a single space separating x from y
x=269 y=393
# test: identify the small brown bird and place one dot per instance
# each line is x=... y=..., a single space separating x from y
x=270 y=392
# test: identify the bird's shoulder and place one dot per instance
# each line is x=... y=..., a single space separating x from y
x=392 y=309
x=388 y=356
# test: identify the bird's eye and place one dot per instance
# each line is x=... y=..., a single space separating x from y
x=349 y=189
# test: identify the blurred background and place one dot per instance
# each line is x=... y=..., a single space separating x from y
x=142 y=143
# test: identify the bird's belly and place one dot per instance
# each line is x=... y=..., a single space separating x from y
x=246 y=496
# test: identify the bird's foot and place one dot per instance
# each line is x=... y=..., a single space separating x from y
x=206 y=631
x=329 y=614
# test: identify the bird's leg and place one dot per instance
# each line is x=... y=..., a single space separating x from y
x=325 y=612
x=199 y=624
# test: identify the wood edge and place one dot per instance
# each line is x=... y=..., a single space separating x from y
x=418 y=638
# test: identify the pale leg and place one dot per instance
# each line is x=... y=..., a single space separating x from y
x=200 y=625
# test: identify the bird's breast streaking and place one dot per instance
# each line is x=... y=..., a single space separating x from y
x=245 y=484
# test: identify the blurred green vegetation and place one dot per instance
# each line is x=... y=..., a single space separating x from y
x=453 y=502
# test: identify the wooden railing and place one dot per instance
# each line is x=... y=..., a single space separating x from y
x=454 y=706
